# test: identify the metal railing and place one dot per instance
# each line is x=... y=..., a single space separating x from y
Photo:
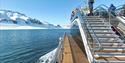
x=103 y=8
x=94 y=35
x=119 y=10
x=93 y=38
x=59 y=52
x=85 y=29
x=111 y=16
x=90 y=39
x=85 y=36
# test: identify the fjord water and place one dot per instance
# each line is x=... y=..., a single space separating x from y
x=26 y=46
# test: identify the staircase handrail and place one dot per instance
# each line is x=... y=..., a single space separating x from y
x=101 y=5
x=87 y=48
x=119 y=10
x=111 y=15
x=79 y=15
x=95 y=36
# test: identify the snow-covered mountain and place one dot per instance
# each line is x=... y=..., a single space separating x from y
x=67 y=26
x=8 y=17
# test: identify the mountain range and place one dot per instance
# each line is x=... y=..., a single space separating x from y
x=17 y=18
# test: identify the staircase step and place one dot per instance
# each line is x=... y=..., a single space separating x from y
x=109 y=48
x=107 y=36
x=93 y=16
x=99 y=61
x=90 y=20
x=100 y=29
x=103 y=32
x=111 y=43
x=94 y=23
x=89 y=27
x=109 y=54
x=109 y=51
x=94 y=19
x=99 y=26
x=108 y=45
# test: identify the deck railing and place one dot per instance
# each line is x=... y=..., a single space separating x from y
x=59 y=52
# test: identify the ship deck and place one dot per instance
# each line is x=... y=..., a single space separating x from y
x=73 y=50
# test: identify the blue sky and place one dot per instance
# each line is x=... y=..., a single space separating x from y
x=52 y=11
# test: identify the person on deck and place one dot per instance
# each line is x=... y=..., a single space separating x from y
x=72 y=15
x=90 y=2
x=124 y=10
x=112 y=9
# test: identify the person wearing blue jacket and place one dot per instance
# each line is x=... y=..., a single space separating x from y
x=112 y=9
x=124 y=10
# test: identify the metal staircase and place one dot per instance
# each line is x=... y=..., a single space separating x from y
x=102 y=44
x=105 y=45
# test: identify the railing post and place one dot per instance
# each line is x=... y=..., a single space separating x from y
x=109 y=16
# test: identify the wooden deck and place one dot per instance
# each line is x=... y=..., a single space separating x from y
x=72 y=52
x=67 y=54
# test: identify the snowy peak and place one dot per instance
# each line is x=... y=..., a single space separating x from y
x=7 y=14
x=13 y=17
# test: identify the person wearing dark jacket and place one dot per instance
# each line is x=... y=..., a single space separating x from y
x=112 y=9
x=124 y=10
x=90 y=2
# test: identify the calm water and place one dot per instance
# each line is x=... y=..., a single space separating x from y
x=26 y=46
